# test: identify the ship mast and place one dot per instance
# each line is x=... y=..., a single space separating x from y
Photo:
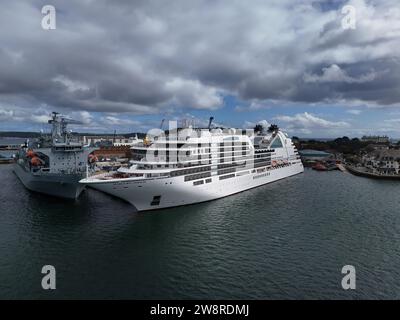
x=59 y=133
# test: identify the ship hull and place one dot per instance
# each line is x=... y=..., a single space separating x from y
x=151 y=194
x=57 y=185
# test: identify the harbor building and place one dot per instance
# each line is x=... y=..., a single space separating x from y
x=111 y=140
x=376 y=139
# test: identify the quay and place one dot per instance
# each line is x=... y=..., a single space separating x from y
x=6 y=161
x=363 y=173
x=6 y=152
x=8 y=147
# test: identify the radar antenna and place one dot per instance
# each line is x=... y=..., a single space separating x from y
x=210 y=122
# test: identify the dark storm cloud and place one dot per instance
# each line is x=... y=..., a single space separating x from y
x=145 y=57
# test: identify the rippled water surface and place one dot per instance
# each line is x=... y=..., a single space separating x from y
x=288 y=239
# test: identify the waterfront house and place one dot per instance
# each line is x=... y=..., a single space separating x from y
x=382 y=161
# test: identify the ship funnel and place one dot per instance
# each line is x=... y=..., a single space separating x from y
x=273 y=128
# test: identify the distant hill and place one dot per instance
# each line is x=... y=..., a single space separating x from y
x=19 y=134
x=27 y=134
x=126 y=135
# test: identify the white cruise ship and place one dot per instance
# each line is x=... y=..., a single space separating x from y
x=194 y=165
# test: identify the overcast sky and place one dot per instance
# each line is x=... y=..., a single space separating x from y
x=126 y=64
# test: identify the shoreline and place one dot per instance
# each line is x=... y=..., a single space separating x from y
x=6 y=161
x=356 y=172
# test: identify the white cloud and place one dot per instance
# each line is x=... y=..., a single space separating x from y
x=115 y=121
x=40 y=118
x=6 y=114
x=192 y=93
x=334 y=73
x=144 y=57
x=308 y=121
x=264 y=123
x=395 y=120
x=251 y=125
x=17 y=114
x=85 y=117
x=71 y=85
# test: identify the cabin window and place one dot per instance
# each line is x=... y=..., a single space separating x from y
x=227 y=176
x=277 y=143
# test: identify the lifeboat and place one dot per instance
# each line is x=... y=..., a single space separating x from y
x=320 y=167
x=36 y=161
x=30 y=153
x=146 y=141
x=92 y=158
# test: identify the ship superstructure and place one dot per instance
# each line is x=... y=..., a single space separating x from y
x=188 y=166
x=54 y=164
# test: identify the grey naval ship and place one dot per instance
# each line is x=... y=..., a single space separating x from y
x=54 y=164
